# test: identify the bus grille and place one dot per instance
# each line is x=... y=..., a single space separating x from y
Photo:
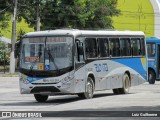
x=42 y=83
x=44 y=89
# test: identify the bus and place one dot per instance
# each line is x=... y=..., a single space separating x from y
x=153 y=49
x=72 y=61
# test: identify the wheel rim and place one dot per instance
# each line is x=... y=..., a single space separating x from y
x=126 y=84
x=150 y=76
x=89 y=89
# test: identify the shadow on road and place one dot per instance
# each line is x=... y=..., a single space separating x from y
x=55 y=100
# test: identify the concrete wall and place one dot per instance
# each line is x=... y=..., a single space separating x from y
x=156 y=7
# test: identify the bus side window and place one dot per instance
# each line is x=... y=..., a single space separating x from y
x=136 y=51
x=151 y=49
x=143 y=47
x=103 y=47
x=114 y=47
x=91 y=48
x=125 y=46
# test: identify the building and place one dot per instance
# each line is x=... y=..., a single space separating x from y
x=156 y=7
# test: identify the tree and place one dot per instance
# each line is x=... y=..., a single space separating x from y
x=98 y=13
x=4 y=53
x=10 y=5
x=30 y=11
x=5 y=5
x=81 y=14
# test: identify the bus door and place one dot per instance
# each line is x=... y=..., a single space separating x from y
x=152 y=49
x=79 y=67
x=158 y=61
x=80 y=53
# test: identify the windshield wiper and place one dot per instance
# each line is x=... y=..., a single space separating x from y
x=52 y=58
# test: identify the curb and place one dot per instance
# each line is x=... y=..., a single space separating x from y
x=9 y=75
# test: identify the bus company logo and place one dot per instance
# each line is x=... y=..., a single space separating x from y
x=6 y=114
x=21 y=115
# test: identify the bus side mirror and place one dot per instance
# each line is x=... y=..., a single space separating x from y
x=80 y=51
x=17 y=49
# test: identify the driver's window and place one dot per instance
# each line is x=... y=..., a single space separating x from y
x=80 y=51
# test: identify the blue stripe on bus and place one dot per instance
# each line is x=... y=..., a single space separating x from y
x=134 y=63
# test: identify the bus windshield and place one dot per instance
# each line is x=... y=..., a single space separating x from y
x=46 y=53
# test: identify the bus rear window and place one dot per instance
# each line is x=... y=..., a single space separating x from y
x=151 y=49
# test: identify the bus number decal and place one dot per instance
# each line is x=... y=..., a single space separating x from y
x=101 y=67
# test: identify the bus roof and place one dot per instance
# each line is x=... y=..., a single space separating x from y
x=76 y=32
x=152 y=39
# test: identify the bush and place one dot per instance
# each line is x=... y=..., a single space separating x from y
x=4 y=53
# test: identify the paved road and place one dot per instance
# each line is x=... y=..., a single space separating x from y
x=144 y=97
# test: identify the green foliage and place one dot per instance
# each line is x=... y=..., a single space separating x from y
x=4 y=53
x=21 y=32
x=5 y=6
x=80 y=14
x=4 y=18
x=6 y=11
x=27 y=10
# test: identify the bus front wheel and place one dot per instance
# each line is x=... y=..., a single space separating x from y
x=89 y=89
x=41 y=98
x=126 y=85
x=151 y=77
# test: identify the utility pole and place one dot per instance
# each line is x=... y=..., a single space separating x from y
x=140 y=14
x=38 y=16
x=12 y=59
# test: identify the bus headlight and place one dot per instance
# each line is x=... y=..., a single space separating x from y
x=24 y=80
x=64 y=80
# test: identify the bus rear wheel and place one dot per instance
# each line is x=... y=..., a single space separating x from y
x=151 y=77
x=41 y=98
x=126 y=85
x=89 y=89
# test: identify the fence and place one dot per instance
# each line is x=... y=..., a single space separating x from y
x=4 y=67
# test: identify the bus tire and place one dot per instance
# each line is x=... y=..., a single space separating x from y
x=151 y=77
x=126 y=85
x=41 y=98
x=116 y=91
x=89 y=89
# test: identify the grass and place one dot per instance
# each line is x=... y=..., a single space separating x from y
x=20 y=25
x=136 y=15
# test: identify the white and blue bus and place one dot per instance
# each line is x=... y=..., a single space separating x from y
x=81 y=62
x=153 y=49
